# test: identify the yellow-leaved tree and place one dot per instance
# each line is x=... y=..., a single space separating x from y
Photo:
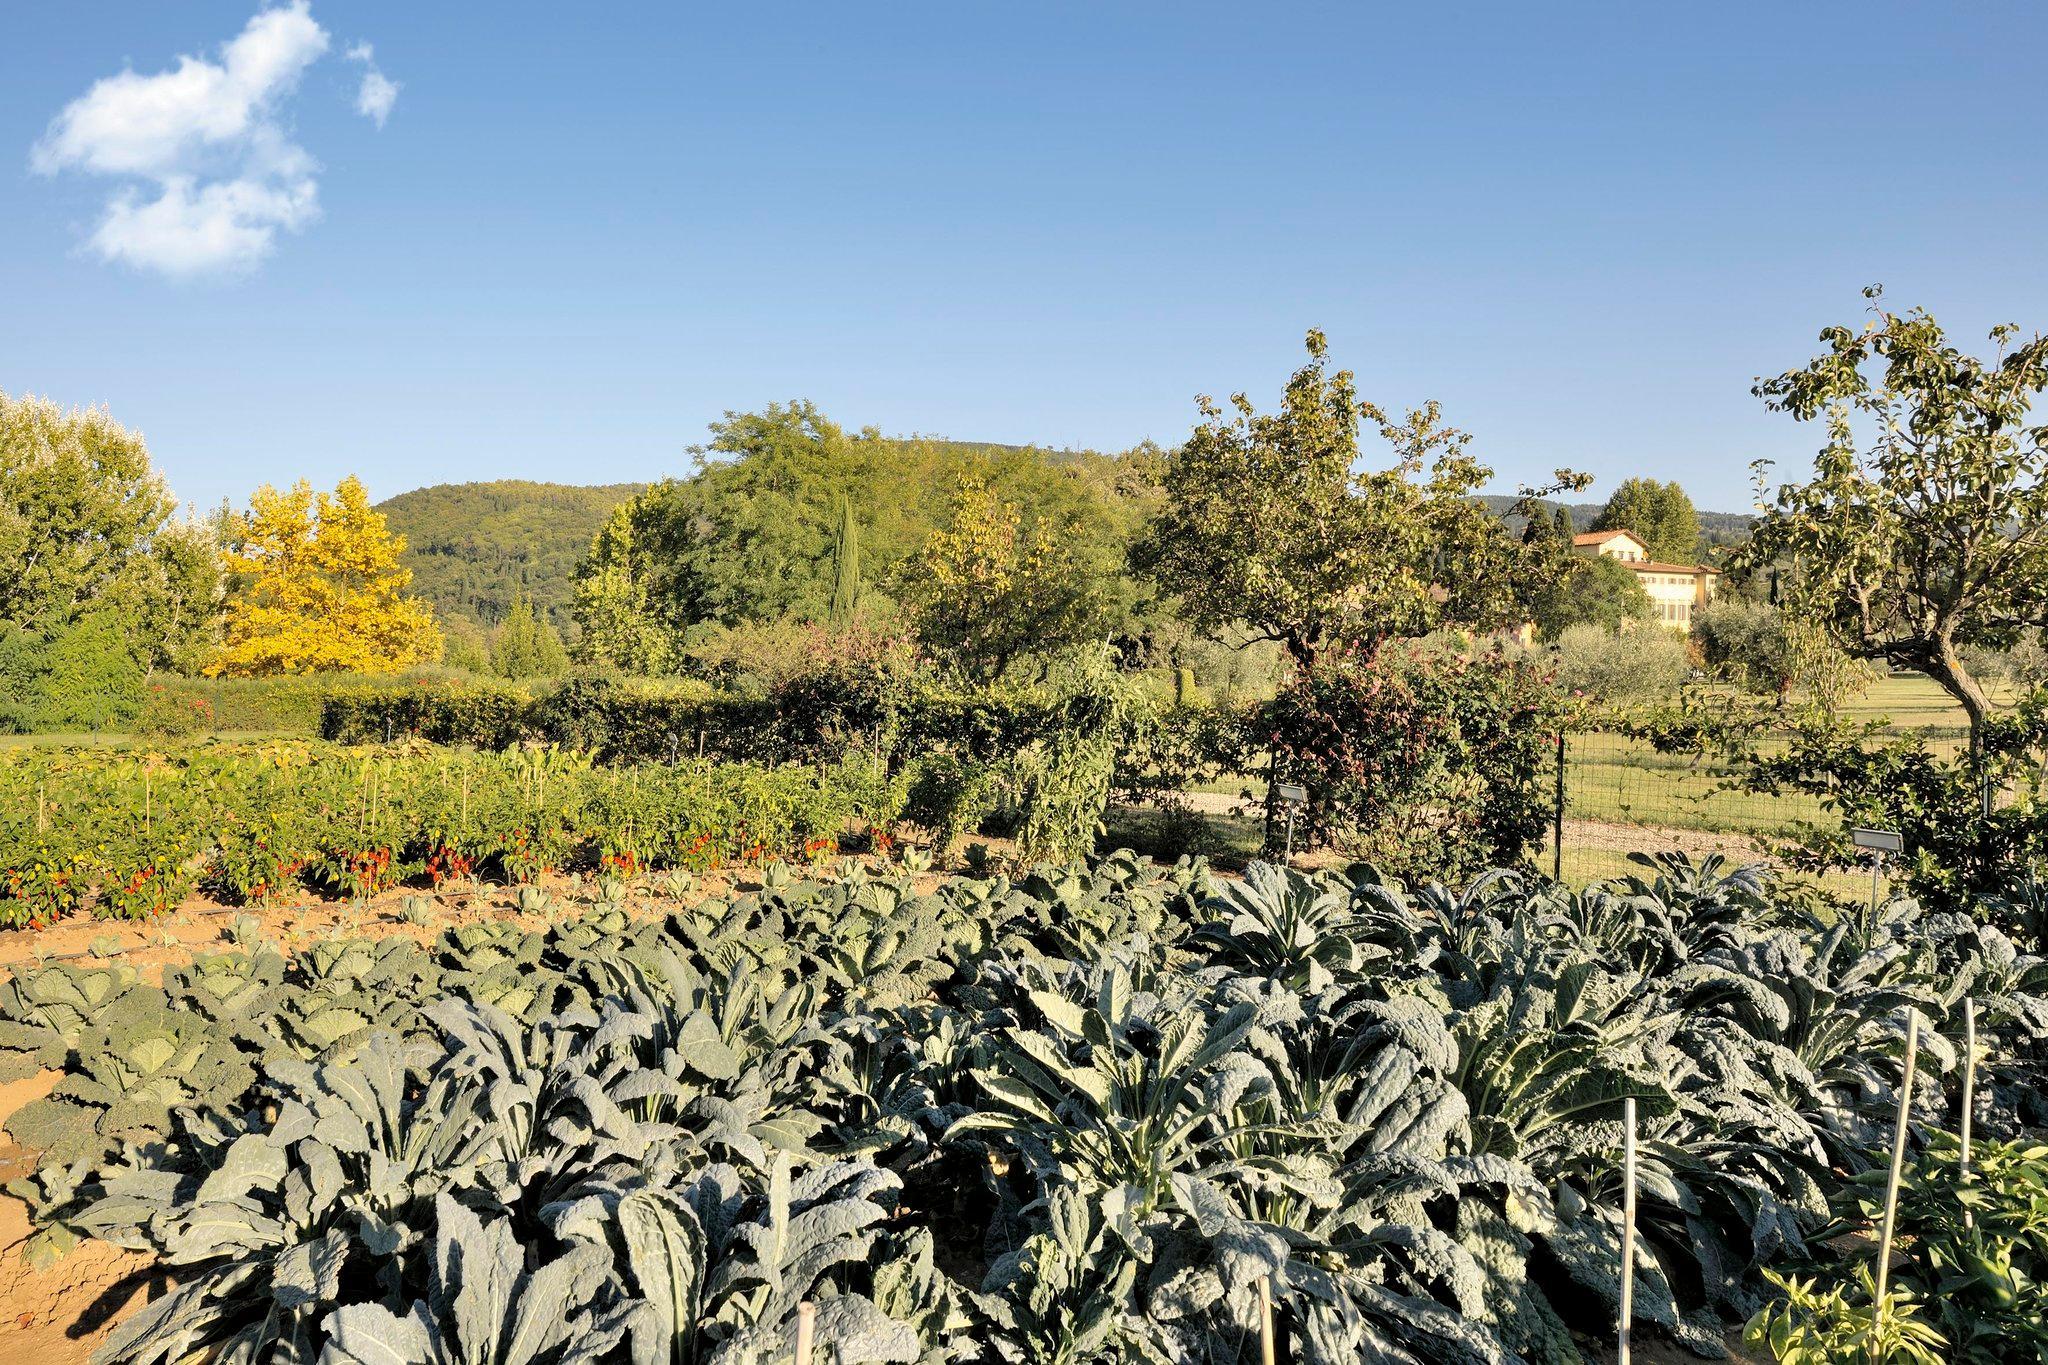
x=991 y=587
x=317 y=587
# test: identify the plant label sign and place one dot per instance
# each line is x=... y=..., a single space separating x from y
x=1878 y=840
x=1291 y=795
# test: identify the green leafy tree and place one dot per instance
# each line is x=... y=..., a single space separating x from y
x=1660 y=513
x=1588 y=592
x=1924 y=529
x=524 y=645
x=845 y=565
x=991 y=587
x=465 y=646
x=616 y=588
x=98 y=585
x=1269 y=522
x=754 y=535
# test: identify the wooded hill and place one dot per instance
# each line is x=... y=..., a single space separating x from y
x=1716 y=528
x=471 y=546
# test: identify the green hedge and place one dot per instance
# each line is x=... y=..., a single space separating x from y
x=284 y=706
x=817 y=719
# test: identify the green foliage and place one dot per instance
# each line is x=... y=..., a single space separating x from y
x=1588 y=591
x=84 y=675
x=524 y=645
x=254 y=824
x=1426 y=764
x=1659 y=513
x=473 y=547
x=1975 y=1249
x=752 y=534
x=989 y=588
x=1269 y=523
x=845 y=566
x=1116 y=1099
x=86 y=534
x=1641 y=664
x=1766 y=651
x=1958 y=846
x=1816 y=1326
x=1924 y=529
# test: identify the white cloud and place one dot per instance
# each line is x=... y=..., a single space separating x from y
x=210 y=173
x=378 y=92
x=192 y=230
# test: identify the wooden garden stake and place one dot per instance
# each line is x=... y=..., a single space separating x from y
x=806 y=1320
x=1969 y=1091
x=1628 y=1228
x=1891 y=1187
x=1265 y=1321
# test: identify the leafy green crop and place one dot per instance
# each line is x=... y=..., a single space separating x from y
x=1081 y=1116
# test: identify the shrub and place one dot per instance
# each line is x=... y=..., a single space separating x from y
x=1418 y=761
x=169 y=714
x=1629 y=665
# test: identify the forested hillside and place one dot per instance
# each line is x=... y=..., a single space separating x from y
x=471 y=546
x=1716 y=528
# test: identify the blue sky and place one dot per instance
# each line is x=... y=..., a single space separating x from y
x=580 y=233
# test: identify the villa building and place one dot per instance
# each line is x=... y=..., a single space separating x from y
x=1676 y=590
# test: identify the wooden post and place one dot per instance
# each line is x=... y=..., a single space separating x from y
x=1969 y=1091
x=1891 y=1187
x=1265 y=1321
x=806 y=1320
x=1628 y=1228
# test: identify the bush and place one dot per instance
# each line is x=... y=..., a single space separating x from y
x=1422 y=763
x=85 y=676
x=173 y=714
x=1628 y=665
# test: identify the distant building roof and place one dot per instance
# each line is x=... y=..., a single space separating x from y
x=1652 y=566
x=1595 y=537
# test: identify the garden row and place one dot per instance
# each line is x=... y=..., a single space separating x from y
x=129 y=836
x=1092 y=1115
x=1433 y=762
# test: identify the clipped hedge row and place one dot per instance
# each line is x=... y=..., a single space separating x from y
x=128 y=836
x=814 y=719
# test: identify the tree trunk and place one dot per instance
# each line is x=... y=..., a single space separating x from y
x=1947 y=669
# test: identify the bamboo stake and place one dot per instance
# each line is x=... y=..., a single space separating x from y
x=1969 y=1091
x=806 y=1319
x=1628 y=1228
x=1891 y=1187
x=1265 y=1321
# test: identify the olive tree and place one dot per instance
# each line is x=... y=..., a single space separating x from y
x=1924 y=529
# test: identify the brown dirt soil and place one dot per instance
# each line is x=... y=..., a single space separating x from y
x=57 y=1316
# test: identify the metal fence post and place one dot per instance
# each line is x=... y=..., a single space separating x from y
x=1557 y=817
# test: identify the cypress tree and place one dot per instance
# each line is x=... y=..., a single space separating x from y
x=845 y=565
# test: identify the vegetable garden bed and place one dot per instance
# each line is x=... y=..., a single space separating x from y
x=1079 y=1116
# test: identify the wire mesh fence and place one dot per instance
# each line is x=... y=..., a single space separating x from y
x=1616 y=795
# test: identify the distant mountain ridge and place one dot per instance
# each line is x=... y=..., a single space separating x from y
x=1716 y=528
